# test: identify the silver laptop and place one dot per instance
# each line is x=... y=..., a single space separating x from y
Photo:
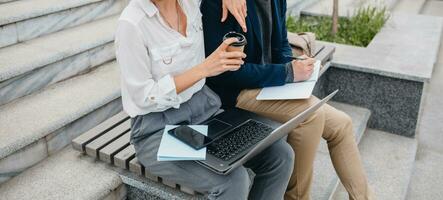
x=240 y=135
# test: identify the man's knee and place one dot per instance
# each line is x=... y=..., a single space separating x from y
x=343 y=120
x=339 y=125
x=317 y=118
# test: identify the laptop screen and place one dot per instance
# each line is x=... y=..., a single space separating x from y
x=215 y=127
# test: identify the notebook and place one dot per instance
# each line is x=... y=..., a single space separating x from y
x=298 y=90
x=172 y=149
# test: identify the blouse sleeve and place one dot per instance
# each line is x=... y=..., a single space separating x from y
x=136 y=70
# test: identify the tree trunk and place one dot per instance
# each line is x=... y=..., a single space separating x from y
x=335 y=17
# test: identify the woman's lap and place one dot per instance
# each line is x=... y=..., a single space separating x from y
x=190 y=173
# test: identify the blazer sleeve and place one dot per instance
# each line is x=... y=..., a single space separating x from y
x=250 y=75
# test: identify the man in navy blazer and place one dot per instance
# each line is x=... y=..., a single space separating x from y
x=269 y=63
x=254 y=73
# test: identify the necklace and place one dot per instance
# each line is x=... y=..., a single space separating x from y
x=178 y=18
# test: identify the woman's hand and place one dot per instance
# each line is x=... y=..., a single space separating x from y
x=218 y=62
x=238 y=9
x=221 y=61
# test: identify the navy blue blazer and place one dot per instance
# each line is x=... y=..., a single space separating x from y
x=252 y=74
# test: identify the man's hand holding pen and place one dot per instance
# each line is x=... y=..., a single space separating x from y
x=302 y=66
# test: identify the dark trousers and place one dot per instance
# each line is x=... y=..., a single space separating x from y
x=272 y=168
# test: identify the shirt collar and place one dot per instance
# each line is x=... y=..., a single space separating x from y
x=148 y=7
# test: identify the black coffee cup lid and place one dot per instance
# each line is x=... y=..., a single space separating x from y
x=240 y=37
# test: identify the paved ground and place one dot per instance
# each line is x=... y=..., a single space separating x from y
x=427 y=180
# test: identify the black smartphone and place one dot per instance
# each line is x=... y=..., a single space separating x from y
x=190 y=137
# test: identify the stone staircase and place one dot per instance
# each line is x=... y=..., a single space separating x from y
x=58 y=78
x=388 y=160
x=391 y=161
x=346 y=8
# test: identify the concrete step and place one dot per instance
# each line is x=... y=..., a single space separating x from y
x=409 y=6
x=426 y=181
x=6 y=1
x=433 y=8
x=294 y=7
x=325 y=179
x=427 y=177
x=66 y=175
x=389 y=160
x=27 y=19
x=346 y=8
x=35 y=64
x=41 y=124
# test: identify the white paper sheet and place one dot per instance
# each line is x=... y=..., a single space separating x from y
x=172 y=149
x=299 y=90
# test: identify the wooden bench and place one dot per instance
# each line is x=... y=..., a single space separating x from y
x=109 y=141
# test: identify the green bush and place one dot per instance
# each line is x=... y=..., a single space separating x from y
x=357 y=30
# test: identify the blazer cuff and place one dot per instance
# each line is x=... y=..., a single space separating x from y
x=289 y=73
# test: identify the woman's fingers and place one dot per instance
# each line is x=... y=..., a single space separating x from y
x=240 y=19
x=224 y=45
x=224 y=13
x=234 y=54
x=241 y=16
x=232 y=67
x=245 y=9
x=238 y=9
x=232 y=62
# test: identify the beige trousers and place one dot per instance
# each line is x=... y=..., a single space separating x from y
x=333 y=125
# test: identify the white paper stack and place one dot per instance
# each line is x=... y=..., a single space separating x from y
x=299 y=90
x=172 y=149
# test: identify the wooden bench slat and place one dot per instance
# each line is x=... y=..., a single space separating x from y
x=93 y=147
x=124 y=156
x=81 y=141
x=107 y=153
x=136 y=167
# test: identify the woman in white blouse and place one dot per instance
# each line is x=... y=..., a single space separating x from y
x=160 y=50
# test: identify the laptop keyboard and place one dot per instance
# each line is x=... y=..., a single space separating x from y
x=239 y=139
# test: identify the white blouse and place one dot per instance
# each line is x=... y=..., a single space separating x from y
x=150 y=53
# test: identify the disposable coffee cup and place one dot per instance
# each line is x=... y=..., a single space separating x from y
x=236 y=46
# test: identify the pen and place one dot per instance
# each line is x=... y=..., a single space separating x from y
x=298 y=58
